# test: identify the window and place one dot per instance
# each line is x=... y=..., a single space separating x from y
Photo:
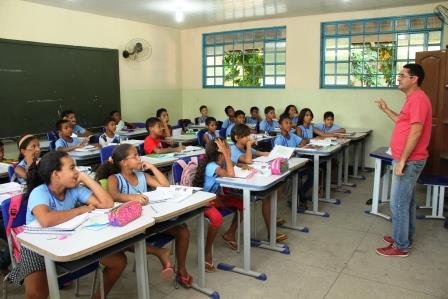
x=245 y=58
x=369 y=53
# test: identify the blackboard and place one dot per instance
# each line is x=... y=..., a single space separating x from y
x=38 y=81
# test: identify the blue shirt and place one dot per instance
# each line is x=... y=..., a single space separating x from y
x=295 y=120
x=325 y=129
x=211 y=136
x=290 y=140
x=18 y=179
x=236 y=153
x=64 y=144
x=251 y=121
x=104 y=140
x=227 y=123
x=42 y=195
x=78 y=130
x=210 y=184
x=126 y=188
x=266 y=126
x=229 y=129
x=307 y=133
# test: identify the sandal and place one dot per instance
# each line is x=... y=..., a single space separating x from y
x=281 y=237
x=167 y=273
x=209 y=267
x=231 y=244
x=185 y=280
x=280 y=221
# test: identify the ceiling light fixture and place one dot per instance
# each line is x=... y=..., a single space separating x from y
x=179 y=16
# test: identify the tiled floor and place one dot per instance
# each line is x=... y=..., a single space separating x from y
x=336 y=259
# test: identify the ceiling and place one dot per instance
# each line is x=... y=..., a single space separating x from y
x=197 y=13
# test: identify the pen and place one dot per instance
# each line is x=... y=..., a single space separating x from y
x=154 y=209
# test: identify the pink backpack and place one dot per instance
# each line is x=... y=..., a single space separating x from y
x=279 y=166
x=188 y=171
x=12 y=232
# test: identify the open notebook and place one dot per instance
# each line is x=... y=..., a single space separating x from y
x=66 y=227
x=278 y=151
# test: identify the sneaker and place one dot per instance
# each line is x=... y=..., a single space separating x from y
x=391 y=251
x=390 y=241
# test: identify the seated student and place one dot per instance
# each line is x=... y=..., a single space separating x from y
x=217 y=163
x=116 y=115
x=305 y=127
x=254 y=118
x=29 y=152
x=126 y=181
x=240 y=117
x=109 y=135
x=77 y=129
x=66 y=142
x=329 y=126
x=54 y=192
x=269 y=124
x=288 y=139
x=162 y=114
x=2 y=154
x=230 y=112
x=204 y=114
x=291 y=111
x=211 y=133
x=152 y=142
x=242 y=153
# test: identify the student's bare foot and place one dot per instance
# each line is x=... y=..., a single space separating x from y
x=165 y=257
x=230 y=241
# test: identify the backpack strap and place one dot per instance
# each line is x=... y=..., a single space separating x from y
x=182 y=163
x=14 y=207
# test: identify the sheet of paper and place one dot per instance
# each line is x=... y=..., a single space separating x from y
x=69 y=225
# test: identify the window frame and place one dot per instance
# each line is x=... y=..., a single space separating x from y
x=394 y=31
x=235 y=41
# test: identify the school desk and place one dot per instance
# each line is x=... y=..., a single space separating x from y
x=133 y=133
x=359 y=142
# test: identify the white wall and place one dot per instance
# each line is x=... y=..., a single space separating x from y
x=145 y=86
x=352 y=107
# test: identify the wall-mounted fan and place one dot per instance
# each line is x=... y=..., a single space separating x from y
x=442 y=13
x=137 y=49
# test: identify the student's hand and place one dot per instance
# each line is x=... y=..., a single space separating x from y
x=381 y=104
x=142 y=199
x=146 y=166
x=222 y=147
x=83 y=178
x=249 y=143
x=86 y=208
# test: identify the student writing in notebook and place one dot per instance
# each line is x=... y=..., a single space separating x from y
x=127 y=180
x=211 y=134
x=329 y=126
x=54 y=191
x=109 y=135
x=242 y=154
x=29 y=152
x=153 y=143
x=162 y=114
x=66 y=142
x=77 y=129
x=217 y=163
x=269 y=124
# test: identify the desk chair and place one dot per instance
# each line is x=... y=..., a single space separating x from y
x=183 y=123
x=64 y=276
x=106 y=152
x=139 y=125
x=177 y=170
x=435 y=195
x=52 y=137
x=218 y=125
x=222 y=133
x=200 y=136
x=11 y=173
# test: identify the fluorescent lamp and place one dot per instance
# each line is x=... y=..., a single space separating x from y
x=179 y=16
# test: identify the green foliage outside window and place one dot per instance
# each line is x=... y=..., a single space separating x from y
x=243 y=68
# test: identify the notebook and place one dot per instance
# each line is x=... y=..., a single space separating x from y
x=278 y=151
x=244 y=173
x=66 y=227
x=176 y=132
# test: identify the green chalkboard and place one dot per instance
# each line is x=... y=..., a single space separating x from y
x=38 y=81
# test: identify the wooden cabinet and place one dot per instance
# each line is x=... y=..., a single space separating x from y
x=436 y=87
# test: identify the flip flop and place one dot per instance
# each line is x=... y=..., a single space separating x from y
x=280 y=221
x=167 y=274
x=185 y=280
x=231 y=244
x=281 y=237
x=209 y=267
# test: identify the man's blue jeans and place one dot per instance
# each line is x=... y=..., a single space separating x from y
x=402 y=203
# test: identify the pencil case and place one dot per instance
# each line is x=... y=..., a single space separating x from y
x=279 y=166
x=125 y=213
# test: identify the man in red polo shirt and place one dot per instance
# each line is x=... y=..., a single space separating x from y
x=409 y=143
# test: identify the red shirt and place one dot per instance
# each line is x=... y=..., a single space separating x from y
x=416 y=109
x=150 y=144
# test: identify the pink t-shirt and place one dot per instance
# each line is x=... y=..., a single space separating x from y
x=416 y=109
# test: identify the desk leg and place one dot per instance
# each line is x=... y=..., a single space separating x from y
x=141 y=269
x=363 y=155
x=357 y=153
x=385 y=187
x=52 y=278
x=315 y=210
x=338 y=187
x=346 y=162
x=200 y=284
x=376 y=191
x=272 y=244
x=293 y=225
x=246 y=244
x=328 y=198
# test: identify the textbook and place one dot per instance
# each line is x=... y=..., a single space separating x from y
x=66 y=227
x=244 y=173
x=172 y=193
x=278 y=151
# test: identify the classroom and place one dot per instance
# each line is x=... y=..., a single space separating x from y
x=313 y=225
